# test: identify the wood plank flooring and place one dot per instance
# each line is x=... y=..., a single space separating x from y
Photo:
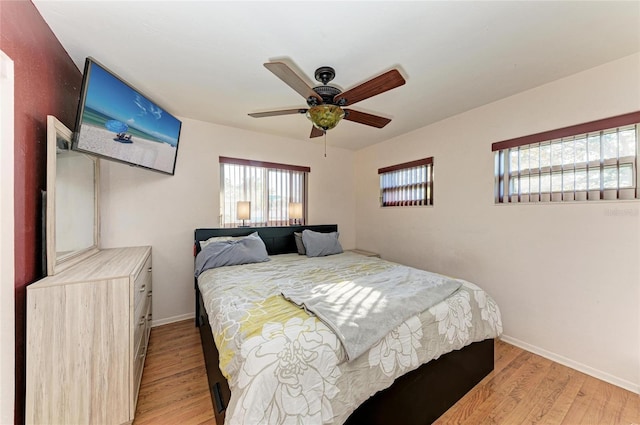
x=523 y=389
x=174 y=388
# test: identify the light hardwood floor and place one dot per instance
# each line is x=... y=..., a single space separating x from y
x=523 y=389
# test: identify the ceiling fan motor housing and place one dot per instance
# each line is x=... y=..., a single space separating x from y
x=324 y=74
x=327 y=94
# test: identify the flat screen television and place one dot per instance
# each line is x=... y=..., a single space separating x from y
x=117 y=122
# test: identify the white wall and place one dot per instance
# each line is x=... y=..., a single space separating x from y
x=566 y=277
x=7 y=272
x=139 y=207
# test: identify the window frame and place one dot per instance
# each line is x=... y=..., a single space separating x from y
x=406 y=166
x=504 y=177
x=268 y=168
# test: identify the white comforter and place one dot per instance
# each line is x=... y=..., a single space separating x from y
x=285 y=366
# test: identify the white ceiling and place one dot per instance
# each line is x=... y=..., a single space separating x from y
x=203 y=60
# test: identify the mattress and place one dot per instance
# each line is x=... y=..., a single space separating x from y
x=284 y=365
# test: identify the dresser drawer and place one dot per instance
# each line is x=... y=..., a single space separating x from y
x=142 y=284
x=138 y=366
x=139 y=321
x=141 y=339
x=140 y=326
x=141 y=296
x=142 y=322
x=149 y=314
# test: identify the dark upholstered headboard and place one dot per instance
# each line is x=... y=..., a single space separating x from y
x=279 y=240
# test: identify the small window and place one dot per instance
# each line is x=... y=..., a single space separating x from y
x=277 y=193
x=407 y=184
x=592 y=161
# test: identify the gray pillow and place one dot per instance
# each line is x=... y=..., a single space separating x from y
x=250 y=249
x=219 y=239
x=321 y=244
x=299 y=243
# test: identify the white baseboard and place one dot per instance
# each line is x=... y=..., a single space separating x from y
x=604 y=376
x=174 y=319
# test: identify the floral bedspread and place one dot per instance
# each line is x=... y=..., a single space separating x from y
x=287 y=367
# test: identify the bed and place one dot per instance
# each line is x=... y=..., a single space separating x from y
x=250 y=332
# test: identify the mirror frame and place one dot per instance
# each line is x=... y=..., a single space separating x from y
x=55 y=130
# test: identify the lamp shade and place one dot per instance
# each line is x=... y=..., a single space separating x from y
x=295 y=210
x=244 y=210
x=325 y=117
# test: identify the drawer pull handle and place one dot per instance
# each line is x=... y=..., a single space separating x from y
x=143 y=287
x=142 y=321
x=149 y=294
x=149 y=270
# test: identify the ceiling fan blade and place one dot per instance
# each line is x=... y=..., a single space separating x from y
x=366 y=119
x=293 y=80
x=387 y=81
x=315 y=132
x=275 y=113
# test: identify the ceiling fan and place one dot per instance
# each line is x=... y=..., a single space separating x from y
x=326 y=103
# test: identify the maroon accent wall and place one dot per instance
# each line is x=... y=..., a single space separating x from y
x=47 y=82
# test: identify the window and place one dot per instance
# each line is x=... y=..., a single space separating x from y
x=270 y=188
x=591 y=161
x=407 y=184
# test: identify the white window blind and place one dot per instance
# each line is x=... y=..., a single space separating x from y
x=407 y=184
x=270 y=187
x=592 y=161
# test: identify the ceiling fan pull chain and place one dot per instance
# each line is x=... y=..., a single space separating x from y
x=325 y=144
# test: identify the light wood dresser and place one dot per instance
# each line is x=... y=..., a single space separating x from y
x=87 y=334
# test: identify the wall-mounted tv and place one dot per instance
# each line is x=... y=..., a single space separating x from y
x=117 y=122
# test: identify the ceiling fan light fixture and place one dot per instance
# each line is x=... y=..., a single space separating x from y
x=325 y=102
x=325 y=117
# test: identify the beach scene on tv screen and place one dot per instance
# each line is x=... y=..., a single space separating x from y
x=120 y=123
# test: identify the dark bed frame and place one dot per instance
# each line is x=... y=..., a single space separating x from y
x=418 y=397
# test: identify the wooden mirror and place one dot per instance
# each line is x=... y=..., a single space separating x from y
x=72 y=218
